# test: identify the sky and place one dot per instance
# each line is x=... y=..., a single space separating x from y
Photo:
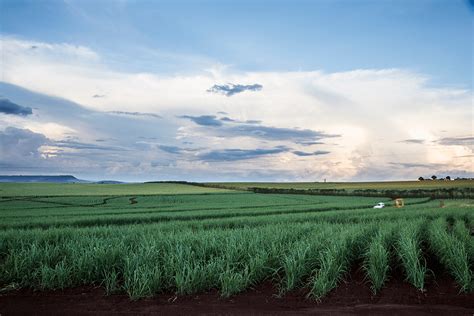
x=237 y=90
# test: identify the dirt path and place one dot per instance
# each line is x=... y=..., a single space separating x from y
x=350 y=298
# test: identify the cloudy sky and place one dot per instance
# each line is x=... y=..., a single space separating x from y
x=237 y=90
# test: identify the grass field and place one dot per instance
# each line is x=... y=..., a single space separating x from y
x=144 y=239
x=69 y=189
x=387 y=185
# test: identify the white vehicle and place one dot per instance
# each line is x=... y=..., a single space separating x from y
x=380 y=205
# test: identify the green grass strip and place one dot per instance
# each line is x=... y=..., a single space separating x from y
x=411 y=255
x=451 y=252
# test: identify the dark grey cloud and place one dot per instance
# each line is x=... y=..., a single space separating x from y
x=253 y=122
x=20 y=149
x=136 y=114
x=67 y=113
x=20 y=142
x=227 y=119
x=8 y=107
x=228 y=127
x=117 y=147
x=98 y=96
x=413 y=141
x=80 y=145
x=239 y=154
x=184 y=152
x=171 y=149
x=277 y=133
x=204 y=120
x=314 y=153
x=117 y=150
x=231 y=89
x=311 y=143
x=231 y=120
x=461 y=141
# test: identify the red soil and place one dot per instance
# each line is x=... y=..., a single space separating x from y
x=351 y=297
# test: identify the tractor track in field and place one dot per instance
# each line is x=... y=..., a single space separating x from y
x=167 y=218
x=168 y=209
x=10 y=199
x=157 y=210
x=65 y=204
x=116 y=195
x=29 y=199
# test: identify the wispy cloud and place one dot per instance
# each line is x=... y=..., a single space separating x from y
x=314 y=153
x=8 y=107
x=310 y=143
x=277 y=133
x=204 y=120
x=228 y=119
x=413 y=141
x=171 y=149
x=232 y=89
x=416 y=165
x=459 y=141
x=239 y=154
x=80 y=145
x=135 y=114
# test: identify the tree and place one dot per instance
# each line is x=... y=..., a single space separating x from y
x=434 y=177
x=421 y=179
x=448 y=178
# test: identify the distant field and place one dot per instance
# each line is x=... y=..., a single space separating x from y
x=66 y=189
x=383 y=185
x=147 y=239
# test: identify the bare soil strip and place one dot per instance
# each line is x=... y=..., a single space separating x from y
x=352 y=297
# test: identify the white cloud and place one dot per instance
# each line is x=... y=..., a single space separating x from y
x=373 y=110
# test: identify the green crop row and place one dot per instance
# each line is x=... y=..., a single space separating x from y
x=228 y=241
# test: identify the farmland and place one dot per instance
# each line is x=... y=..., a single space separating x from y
x=435 y=189
x=143 y=240
x=397 y=185
x=76 y=189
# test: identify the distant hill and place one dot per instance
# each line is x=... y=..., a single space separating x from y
x=49 y=179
